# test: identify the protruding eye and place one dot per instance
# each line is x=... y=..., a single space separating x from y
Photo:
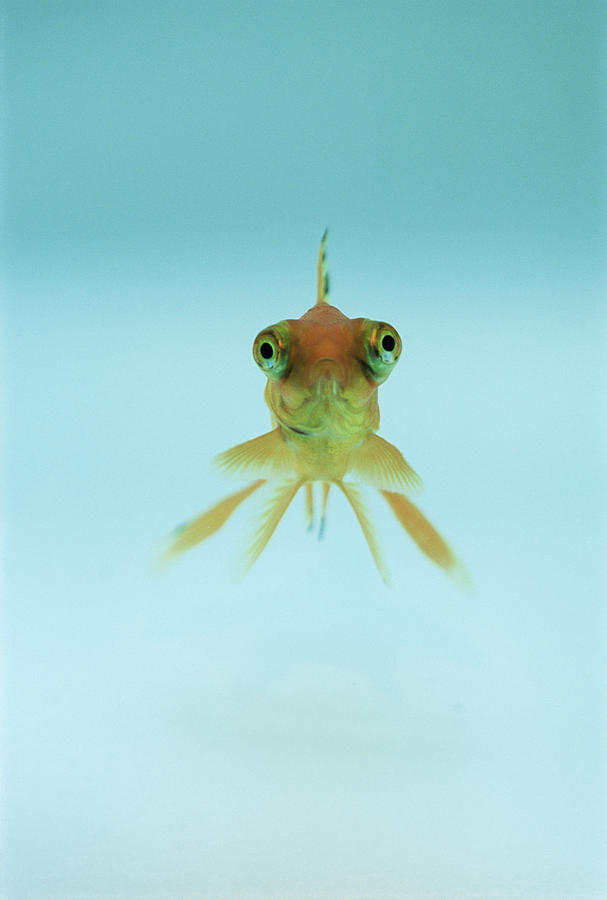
x=388 y=343
x=383 y=348
x=270 y=350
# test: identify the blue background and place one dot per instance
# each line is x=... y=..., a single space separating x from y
x=169 y=170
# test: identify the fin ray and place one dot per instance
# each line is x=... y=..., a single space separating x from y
x=380 y=464
x=322 y=273
x=268 y=455
x=326 y=487
x=309 y=506
x=426 y=537
x=202 y=527
x=275 y=509
x=353 y=497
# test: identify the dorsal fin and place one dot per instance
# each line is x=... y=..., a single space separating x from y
x=323 y=275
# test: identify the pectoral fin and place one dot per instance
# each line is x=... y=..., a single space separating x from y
x=427 y=537
x=380 y=464
x=267 y=455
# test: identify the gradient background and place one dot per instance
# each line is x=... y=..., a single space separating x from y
x=170 y=168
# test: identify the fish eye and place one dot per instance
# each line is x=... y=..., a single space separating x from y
x=383 y=348
x=388 y=343
x=270 y=350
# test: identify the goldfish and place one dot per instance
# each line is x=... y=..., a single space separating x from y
x=323 y=372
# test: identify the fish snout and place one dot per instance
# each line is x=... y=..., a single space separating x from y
x=326 y=370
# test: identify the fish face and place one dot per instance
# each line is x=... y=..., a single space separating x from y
x=324 y=369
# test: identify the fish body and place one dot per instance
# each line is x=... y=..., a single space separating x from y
x=323 y=373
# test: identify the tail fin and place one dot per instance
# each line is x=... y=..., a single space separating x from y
x=427 y=537
x=323 y=275
x=363 y=520
x=209 y=522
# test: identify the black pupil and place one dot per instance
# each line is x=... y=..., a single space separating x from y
x=267 y=350
x=388 y=343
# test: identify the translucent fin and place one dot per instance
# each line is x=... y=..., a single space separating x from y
x=326 y=487
x=209 y=522
x=309 y=506
x=274 y=511
x=363 y=520
x=322 y=274
x=382 y=465
x=267 y=455
x=427 y=538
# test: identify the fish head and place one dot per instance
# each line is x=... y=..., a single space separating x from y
x=324 y=369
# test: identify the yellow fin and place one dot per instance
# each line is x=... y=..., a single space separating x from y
x=275 y=509
x=380 y=464
x=309 y=506
x=326 y=487
x=363 y=520
x=427 y=537
x=267 y=455
x=209 y=522
x=322 y=294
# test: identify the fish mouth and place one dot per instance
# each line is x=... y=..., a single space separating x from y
x=326 y=375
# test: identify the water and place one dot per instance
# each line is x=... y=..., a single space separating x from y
x=305 y=731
